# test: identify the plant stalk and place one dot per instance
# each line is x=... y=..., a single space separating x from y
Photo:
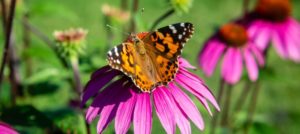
x=161 y=18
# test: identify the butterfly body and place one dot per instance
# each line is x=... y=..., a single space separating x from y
x=150 y=59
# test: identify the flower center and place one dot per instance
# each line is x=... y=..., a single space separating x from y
x=274 y=10
x=234 y=35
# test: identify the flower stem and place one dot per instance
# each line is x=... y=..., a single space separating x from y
x=161 y=18
x=26 y=44
x=252 y=106
x=245 y=7
x=77 y=80
x=8 y=28
x=124 y=7
x=226 y=107
x=243 y=97
x=219 y=98
x=134 y=10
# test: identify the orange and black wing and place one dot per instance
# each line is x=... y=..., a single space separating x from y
x=165 y=45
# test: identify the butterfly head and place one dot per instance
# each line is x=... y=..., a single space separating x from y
x=138 y=43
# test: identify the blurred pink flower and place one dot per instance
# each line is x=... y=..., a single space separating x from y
x=122 y=100
x=232 y=41
x=272 y=21
x=6 y=129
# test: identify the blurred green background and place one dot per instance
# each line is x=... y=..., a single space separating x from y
x=47 y=94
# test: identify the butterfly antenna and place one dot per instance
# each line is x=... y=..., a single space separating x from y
x=115 y=29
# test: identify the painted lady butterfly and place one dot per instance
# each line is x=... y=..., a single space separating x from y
x=151 y=59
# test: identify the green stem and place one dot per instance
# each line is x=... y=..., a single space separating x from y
x=75 y=69
x=134 y=10
x=252 y=106
x=161 y=18
x=219 y=99
x=8 y=29
x=226 y=108
x=243 y=97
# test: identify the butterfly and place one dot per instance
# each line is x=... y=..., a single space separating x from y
x=151 y=59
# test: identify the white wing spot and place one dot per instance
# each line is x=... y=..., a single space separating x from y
x=179 y=36
x=118 y=61
x=182 y=24
x=109 y=53
x=173 y=29
x=116 y=51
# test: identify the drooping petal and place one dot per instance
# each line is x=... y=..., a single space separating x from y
x=196 y=87
x=104 y=98
x=100 y=71
x=109 y=110
x=164 y=109
x=125 y=112
x=232 y=66
x=106 y=116
x=187 y=106
x=142 y=118
x=279 y=42
x=261 y=33
x=185 y=63
x=251 y=65
x=293 y=41
x=257 y=53
x=212 y=58
x=96 y=83
x=182 y=121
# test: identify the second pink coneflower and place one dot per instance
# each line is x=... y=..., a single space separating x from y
x=233 y=44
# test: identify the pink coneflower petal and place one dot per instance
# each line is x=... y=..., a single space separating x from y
x=232 y=66
x=279 y=41
x=207 y=49
x=197 y=89
x=164 y=109
x=184 y=102
x=98 y=81
x=251 y=65
x=181 y=119
x=212 y=59
x=6 y=129
x=102 y=99
x=186 y=64
x=261 y=35
x=142 y=118
x=293 y=41
x=257 y=53
x=125 y=112
x=106 y=116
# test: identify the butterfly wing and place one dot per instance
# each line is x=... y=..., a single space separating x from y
x=125 y=58
x=165 y=45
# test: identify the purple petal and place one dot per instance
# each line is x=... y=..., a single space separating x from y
x=96 y=83
x=104 y=98
x=232 y=66
x=110 y=108
x=6 y=129
x=142 y=118
x=187 y=106
x=257 y=53
x=251 y=65
x=163 y=104
x=125 y=112
x=101 y=71
x=106 y=116
x=200 y=91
